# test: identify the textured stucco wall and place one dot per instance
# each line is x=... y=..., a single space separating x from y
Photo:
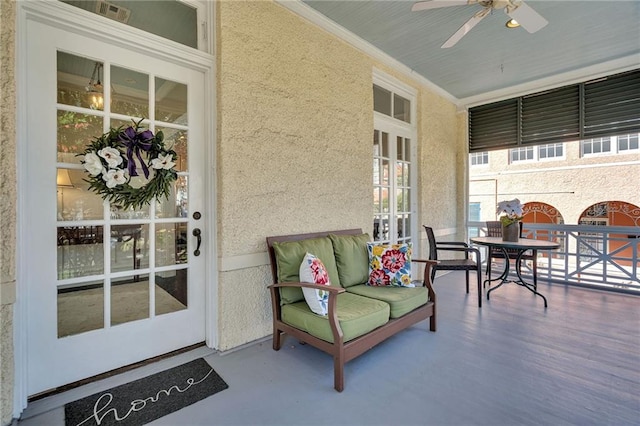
x=439 y=159
x=295 y=123
x=7 y=206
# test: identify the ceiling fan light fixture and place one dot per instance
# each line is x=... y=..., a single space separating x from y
x=512 y=23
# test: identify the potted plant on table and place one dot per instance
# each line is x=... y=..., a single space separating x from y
x=510 y=216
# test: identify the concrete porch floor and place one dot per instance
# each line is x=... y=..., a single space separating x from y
x=509 y=363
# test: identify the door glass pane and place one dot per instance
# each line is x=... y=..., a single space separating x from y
x=177 y=140
x=129 y=92
x=385 y=200
x=399 y=174
x=74 y=200
x=129 y=299
x=172 y=20
x=75 y=132
x=171 y=101
x=171 y=291
x=171 y=244
x=80 y=81
x=385 y=144
x=177 y=204
x=129 y=247
x=376 y=143
x=80 y=308
x=80 y=251
x=385 y=172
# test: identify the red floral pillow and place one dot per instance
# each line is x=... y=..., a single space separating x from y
x=312 y=270
x=389 y=264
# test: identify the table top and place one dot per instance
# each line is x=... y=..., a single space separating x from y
x=522 y=243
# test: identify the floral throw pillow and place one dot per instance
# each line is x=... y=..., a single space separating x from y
x=312 y=270
x=389 y=264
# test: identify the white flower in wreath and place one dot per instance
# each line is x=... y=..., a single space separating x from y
x=163 y=162
x=115 y=177
x=93 y=164
x=111 y=155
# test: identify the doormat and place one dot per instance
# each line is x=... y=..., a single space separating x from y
x=146 y=399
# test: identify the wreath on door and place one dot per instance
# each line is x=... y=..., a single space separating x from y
x=129 y=167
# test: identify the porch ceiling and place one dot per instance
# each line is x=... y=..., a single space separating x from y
x=584 y=39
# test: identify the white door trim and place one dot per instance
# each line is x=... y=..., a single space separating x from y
x=65 y=17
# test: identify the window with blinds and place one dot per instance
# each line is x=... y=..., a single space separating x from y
x=603 y=107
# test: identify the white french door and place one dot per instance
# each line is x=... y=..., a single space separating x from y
x=393 y=183
x=107 y=287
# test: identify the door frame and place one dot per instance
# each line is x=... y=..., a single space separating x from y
x=74 y=20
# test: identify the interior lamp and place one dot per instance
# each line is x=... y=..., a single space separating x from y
x=94 y=88
x=63 y=179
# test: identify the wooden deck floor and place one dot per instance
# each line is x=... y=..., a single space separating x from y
x=509 y=363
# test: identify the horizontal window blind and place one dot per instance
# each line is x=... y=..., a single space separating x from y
x=552 y=116
x=612 y=105
x=604 y=107
x=493 y=126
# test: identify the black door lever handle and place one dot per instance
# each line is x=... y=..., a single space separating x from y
x=198 y=234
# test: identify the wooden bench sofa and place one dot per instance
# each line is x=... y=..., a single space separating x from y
x=359 y=316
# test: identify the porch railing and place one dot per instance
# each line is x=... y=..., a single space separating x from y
x=604 y=257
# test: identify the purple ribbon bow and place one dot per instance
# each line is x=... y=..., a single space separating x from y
x=134 y=143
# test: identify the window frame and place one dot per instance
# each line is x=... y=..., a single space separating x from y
x=614 y=146
x=484 y=156
x=535 y=153
x=398 y=128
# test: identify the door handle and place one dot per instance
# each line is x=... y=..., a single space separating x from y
x=198 y=234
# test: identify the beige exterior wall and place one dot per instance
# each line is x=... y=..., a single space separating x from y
x=294 y=154
x=295 y=123
x=7 y=205
x=570 y=185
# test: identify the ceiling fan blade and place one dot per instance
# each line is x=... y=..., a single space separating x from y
x=528 y=18
x=464 y=29
x=436 y=4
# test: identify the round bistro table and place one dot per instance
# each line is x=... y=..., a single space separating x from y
x=521 y=246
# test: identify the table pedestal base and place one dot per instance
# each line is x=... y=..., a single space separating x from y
x=519 y=280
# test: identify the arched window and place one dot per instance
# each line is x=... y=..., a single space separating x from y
x=539 y=212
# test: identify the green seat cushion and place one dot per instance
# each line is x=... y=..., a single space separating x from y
x=352 y=258
x=289 y=256
x=401 y=299
x=357 y=316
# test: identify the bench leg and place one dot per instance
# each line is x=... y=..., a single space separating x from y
x=338 y=373
x=432 y=322
x=277 y=339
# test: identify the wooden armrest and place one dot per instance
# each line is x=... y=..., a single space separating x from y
x=332 y=314
x=329 y=288
x=428 y=264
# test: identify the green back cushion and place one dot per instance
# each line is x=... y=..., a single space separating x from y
x=352 y=258
x=289 y=255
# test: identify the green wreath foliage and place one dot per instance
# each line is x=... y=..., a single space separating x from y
x=131 y=144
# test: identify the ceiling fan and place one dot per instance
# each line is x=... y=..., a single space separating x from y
x=517 y=10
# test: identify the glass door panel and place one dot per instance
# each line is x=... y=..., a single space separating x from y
x=129 y=299
x=80 y=308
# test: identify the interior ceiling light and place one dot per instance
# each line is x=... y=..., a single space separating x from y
x=95 y=85
x=512 y=23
